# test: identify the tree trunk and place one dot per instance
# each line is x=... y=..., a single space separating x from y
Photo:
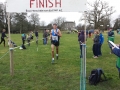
x=20 y=29
x=96 y=25
x=34 y=25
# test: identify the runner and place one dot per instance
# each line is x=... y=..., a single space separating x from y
x=55 y=36
x=3 y=35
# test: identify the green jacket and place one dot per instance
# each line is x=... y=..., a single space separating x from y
x=118 y=62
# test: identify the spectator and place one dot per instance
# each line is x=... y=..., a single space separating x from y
x=37 y=35
x=45 y=37
x=101 y=37
x=110 y=37
x=89 y=34
x=96 y=44
x=81 y=39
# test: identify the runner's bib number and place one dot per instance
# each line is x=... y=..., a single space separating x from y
x=55 y=38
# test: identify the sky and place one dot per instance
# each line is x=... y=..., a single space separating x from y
x=75 y=16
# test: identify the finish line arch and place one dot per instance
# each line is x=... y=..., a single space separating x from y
x=42 y=6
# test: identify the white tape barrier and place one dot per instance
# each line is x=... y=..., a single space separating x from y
x=25 y=44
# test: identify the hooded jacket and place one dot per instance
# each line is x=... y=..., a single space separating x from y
x=81 y=37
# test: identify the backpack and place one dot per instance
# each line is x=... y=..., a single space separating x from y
x=95 y=76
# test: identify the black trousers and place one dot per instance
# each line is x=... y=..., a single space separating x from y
x=80 y=51
x=96 y=49
x=2 y=40
x=99 y=51
x=23 y=41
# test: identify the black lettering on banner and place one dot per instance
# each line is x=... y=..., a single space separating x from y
x=48 y=10
x=60 y=10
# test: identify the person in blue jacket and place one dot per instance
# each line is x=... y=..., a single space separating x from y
x=101 y=37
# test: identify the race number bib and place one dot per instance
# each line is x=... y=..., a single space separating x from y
x=55 y=38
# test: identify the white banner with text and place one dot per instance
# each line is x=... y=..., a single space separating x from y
x=46 y=6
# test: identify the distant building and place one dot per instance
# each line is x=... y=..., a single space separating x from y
x=68 y=25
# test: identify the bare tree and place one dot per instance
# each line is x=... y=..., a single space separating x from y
x=59 y=21
x=99 y=11
x=105 y=24
x=35 y=20
x=2 y=16
x=117 y=23
x=19 y=19
x=81 y=27
x=42 y=23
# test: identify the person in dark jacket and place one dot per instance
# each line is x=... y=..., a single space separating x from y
x=37 y=35
x=96 y=44
x=86 y=34
x=81 y=39
x=101 y=37
x=90 y=34
x=3 y=35
x=79 y=33
x=45 y=37
x=110 y=37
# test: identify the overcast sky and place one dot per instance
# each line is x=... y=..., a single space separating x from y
x=74 y=16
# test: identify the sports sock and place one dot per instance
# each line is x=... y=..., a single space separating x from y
x=52 y=59
x=57 y=55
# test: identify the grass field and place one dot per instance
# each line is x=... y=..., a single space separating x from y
x=34 y=71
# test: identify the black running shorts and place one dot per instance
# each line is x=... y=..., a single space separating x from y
x=56 y=43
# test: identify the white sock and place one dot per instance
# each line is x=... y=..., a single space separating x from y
x=56 y=54
x=53 y=59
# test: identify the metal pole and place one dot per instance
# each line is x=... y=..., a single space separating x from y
x=84 y=65
x=10 y=48
x=83 y=61
x=85 y=24
x=82 y=74
x=85 y=41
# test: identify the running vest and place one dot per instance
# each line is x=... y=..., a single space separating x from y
x=54 y=35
